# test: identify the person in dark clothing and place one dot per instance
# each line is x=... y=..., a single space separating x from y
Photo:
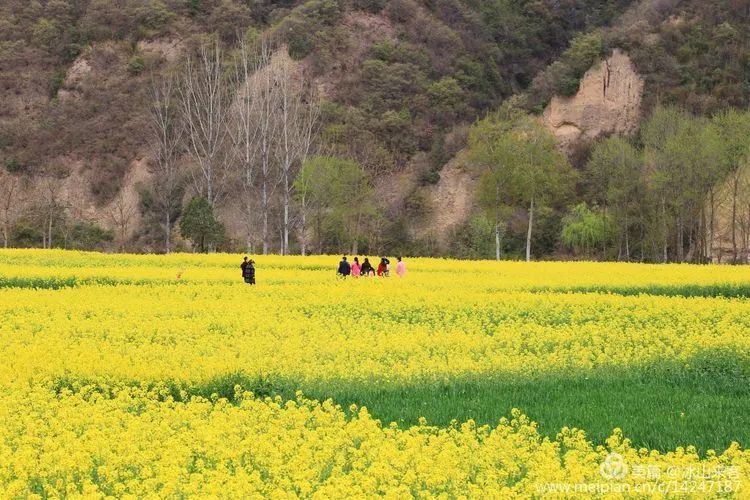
x=248 y=271
x=367 y=268
x=344 y=268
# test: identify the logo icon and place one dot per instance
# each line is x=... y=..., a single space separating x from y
x=614 y=467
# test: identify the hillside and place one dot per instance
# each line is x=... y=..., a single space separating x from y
x=400 y=80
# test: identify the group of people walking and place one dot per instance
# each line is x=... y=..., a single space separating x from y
x=383 y=270
x=345 y=269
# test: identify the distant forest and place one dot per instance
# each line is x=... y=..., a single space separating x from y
x=285 y=127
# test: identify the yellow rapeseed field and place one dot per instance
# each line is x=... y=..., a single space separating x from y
x=106 y=359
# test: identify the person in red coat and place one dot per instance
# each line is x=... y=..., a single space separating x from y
x=382 y=268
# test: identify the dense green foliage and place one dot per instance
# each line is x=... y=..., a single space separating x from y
x=691 y=53
x=337 y=203
x=585 y=228
x=441 y=62
x=199 y=225
x=659 y=196
x=522 y=167
x=402 y=81
x=447 y=62
x=665 y=196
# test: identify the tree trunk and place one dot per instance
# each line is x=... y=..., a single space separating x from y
x=735 y=187
x=303 y=231
x=642 y=225
x=355 y=232
x=49 y=234
x=604 y=240
x=711 y=226
x=497 y=240
x=528 y=233
x=167 y=240
x=285 y=243
x=497 y=222
x=680 y=238
x=627 y=237
x=665 y=230
x=265 y=218
x=691 y=242
x=319 y=236
x=702 y=243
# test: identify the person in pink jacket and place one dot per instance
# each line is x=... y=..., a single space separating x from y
x=356 y=268
x=400 y=268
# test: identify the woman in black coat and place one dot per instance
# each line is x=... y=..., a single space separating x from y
x=367 y=268
x=248 y=271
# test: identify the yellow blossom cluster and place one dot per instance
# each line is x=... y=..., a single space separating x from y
x=473 y=275
x=129 y=323
x=139 y=445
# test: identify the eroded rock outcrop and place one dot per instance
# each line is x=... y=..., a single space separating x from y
x=728 y=220
x=77 y=73
x=449 y=202
x=169 y=49
x=608 y=102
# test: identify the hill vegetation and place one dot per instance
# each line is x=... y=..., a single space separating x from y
x=397 y=83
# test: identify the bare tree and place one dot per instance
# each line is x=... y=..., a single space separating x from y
x=297 y=118
x=166 y=134
x=304 y=230
x=10 y=188
x=121 y=213
x=247 y=129
x=744 y=221
x=205 y=100
x=275 y=119
x=52 y=206
x=265 y=96
x=305 y=193
x=254 y=134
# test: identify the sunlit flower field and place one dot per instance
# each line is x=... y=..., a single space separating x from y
x=167 y=376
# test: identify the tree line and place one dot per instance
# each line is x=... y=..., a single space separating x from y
x=678 y=192
x=243 y=135
x=237 y=135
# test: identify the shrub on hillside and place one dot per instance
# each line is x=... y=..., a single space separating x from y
x=88 y=236
x=372 y=6
x=136 y=65
x=199 y=225
x=563 y=77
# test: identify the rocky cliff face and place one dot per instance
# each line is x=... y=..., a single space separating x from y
x=728 y=227
x=451 y=200
x=608 y=102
